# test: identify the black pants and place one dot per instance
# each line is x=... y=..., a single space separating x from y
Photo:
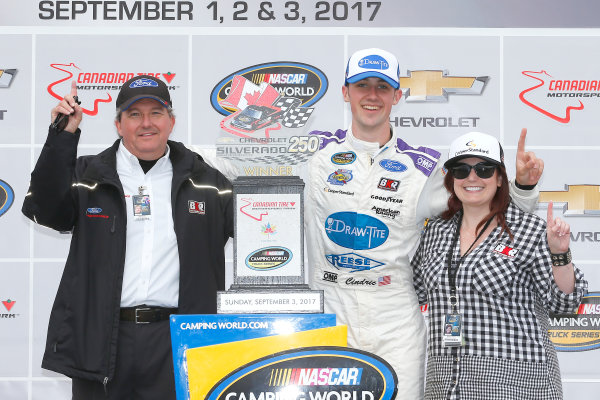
x=144 y=368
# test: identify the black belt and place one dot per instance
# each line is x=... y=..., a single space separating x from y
x=145 y=314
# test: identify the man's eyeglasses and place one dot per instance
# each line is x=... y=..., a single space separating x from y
x=482 y=169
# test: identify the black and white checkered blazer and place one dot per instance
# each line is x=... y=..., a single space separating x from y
x=505 y=290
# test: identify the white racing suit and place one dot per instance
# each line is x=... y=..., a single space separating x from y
x=365 y=209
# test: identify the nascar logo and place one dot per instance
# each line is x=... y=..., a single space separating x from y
x=316 y=376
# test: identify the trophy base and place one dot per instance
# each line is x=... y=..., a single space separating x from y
x=270 y=300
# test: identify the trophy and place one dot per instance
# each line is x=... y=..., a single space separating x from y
x=268 y=247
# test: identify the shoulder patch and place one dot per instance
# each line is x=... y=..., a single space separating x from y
x=423 y=158
x=327 y=137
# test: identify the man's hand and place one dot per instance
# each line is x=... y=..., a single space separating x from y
x=69 y=107
x=529 y=167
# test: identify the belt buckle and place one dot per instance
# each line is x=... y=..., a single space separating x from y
x=137 y=316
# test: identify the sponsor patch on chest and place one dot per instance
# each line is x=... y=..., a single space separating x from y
x=388 y=184
x=340 y=177
x=505 y=250
x=196 y=207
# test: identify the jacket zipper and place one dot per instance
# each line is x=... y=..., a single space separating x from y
x=105 y=383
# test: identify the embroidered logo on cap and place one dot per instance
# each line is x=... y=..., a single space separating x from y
x=143 y=82
x=374 y=62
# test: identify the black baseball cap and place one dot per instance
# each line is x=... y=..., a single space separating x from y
x=143 y=87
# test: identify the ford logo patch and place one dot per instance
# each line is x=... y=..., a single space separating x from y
x=392 y=165
x=143 y=82
x=94 y=210
x=356 y=231
x=324 y=372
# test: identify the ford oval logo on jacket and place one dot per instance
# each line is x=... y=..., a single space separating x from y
x=324 y=372
x=356 y=231
x=392 y=165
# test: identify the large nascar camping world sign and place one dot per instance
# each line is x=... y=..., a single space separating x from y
x=580 y=331
x=310 y=373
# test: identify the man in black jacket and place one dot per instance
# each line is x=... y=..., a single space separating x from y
x=149 y=220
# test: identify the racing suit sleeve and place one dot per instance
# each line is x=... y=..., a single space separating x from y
x=49 y=201
x=434 y=196
x=209 y=155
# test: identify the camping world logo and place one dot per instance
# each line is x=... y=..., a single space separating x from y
x=437 y=85
x=328 y=373
x=577 y=332
x=6 y=77
x=266 y=97
x=556 y=97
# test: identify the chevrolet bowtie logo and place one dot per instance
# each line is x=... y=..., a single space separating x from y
x=579 y=199
x=422 y=86
x=6 y=77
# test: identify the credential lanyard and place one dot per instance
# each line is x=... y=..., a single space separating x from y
x=452 y=270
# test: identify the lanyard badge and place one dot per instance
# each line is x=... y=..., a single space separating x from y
x=141 y=205
x=452 y=328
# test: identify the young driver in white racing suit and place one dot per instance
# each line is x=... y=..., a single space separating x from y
x=368 y=196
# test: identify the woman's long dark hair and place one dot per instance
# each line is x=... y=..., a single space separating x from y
x=498 y=205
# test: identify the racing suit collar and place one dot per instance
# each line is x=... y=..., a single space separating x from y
x=371 y=148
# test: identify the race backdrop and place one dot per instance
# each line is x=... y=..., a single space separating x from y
x=491 y=66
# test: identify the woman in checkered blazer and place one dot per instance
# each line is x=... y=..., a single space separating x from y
x=491 y=273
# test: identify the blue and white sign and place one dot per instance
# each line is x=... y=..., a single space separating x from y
x=356 y=231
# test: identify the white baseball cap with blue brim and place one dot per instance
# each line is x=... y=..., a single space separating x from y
x=375 y=63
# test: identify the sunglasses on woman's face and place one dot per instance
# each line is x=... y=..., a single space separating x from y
x=483 y=170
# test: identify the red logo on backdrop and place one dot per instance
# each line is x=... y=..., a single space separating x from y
x=540 y=96
x=8 y=304
x=98 y=81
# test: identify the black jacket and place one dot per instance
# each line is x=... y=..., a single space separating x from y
x=84 y=195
